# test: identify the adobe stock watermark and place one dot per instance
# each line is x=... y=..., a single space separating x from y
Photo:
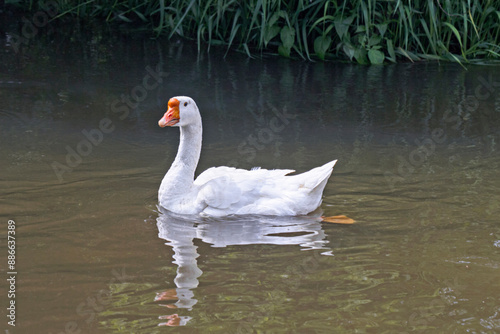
x=426 y=147
x=31 y=26
x=87 y=308
x=263 y=135
x=121 y=107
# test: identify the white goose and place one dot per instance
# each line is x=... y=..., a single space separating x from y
x=221 y=191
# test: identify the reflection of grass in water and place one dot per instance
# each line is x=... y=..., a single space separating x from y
x=257 y=297
x=367 y=31
x=129 y=307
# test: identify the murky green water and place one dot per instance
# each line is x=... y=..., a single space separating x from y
x=82 y=158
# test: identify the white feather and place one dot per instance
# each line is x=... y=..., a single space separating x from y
x=221 y=191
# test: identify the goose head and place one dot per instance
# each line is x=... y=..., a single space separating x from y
x=182 y=111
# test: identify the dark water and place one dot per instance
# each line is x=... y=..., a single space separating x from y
x=82 y=158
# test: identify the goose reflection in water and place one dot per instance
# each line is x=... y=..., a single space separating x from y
x=180 y=232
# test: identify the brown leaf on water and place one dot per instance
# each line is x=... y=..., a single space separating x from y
x=170 y=294
x=173 y=320
x=338 y=219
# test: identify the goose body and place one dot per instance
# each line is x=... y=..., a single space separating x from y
x=221 y=191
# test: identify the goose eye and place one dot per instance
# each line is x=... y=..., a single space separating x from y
x=185 y=104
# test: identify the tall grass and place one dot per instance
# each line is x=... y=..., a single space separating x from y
x=365 y=31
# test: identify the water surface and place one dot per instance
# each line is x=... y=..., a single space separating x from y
x=82 y=159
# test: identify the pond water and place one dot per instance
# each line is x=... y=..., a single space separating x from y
x=82 y=158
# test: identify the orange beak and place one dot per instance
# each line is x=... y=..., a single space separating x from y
x=171 y=117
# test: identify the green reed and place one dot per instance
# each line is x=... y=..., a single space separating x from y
x=365 y=31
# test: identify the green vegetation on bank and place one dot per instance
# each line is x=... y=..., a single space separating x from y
x=365 y=31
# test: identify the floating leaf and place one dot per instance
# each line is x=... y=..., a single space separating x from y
x=338 y=220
